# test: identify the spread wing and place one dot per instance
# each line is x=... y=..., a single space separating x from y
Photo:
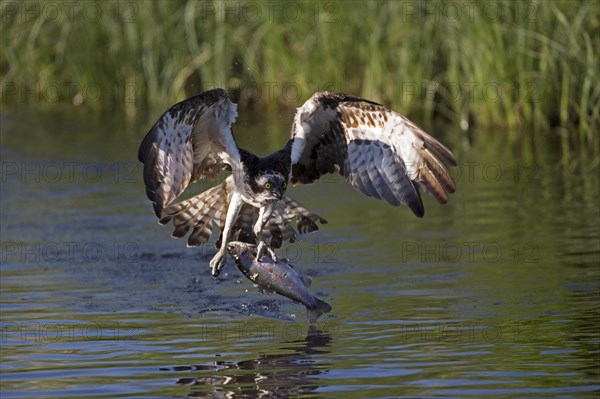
x=379 y=151
x=191 y=141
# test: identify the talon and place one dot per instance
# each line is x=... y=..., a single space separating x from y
x=272 y=253
x=217 y=263
x=262 y=249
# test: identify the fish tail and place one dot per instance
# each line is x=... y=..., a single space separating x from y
x=314 y=314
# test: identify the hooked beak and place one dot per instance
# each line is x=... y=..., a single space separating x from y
x=274 y=197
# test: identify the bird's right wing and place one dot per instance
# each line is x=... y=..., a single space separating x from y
x=191 y=141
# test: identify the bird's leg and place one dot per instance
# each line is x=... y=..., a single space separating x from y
x=219 y=260
x=263 y=215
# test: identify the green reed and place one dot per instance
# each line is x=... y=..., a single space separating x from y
x=515 y=66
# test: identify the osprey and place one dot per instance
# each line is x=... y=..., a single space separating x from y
x=377 y=150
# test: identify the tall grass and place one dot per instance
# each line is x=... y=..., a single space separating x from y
x=514 y=65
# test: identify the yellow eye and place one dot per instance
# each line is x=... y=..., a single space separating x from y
x=267 y=185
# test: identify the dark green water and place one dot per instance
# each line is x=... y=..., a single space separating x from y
x=494 y=295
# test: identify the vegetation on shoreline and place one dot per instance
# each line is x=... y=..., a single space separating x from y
x=515 y=65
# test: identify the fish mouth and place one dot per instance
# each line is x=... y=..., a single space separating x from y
x=237 y=248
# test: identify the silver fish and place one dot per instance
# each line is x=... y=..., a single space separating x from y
x=277 y=277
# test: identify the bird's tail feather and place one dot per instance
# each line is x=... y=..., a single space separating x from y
x=279 y=227
x=197 y=214
x=200 y=213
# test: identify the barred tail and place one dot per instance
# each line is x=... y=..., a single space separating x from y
x=306 y=220
x=202 y=212
x=197 y=214
x=279 y=228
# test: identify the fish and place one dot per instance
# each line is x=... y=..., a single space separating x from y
x=277 y=276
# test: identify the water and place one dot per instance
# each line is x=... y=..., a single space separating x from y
x=494 y=295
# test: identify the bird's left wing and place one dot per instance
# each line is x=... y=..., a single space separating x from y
x=379 y=151
x=191 y=141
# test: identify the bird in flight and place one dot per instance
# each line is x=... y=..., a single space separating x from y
x=378 y=151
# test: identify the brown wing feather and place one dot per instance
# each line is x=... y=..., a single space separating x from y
x=380 y=152
x=192 y=140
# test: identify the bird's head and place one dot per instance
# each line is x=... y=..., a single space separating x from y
x=269 y=186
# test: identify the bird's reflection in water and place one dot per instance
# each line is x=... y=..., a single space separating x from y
x=276 y=375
